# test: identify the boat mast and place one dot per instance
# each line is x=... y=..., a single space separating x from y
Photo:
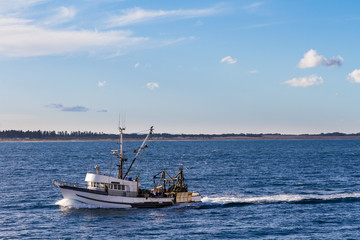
x=141 y=148
x=121 y=159
x=120 y=155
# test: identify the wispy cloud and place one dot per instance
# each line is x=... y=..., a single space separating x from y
x=253 y=7
x=42 y=41
x=261 y=25
x=68 y=109
x=101 y=84
x=64 y=14
x=313 y=59
x=16 y=5
x=37 y=36
x=305 y=81
x=152 y=85
x=228 y=60
x=354 y=76
x=136 y=65
x=254 y=71
x=139 y=15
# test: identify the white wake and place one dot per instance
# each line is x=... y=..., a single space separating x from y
x=227 y=199
x=69 y=203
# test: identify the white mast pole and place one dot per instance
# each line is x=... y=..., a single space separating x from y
x=121 y=159
x=121 y=141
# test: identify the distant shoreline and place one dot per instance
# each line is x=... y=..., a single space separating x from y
x=193 y=138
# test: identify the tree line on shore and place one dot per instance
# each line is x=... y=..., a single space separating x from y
x=19 y=134
x=11 y=134
x=53 y=135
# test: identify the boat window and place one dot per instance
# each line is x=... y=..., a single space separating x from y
x=119 y=187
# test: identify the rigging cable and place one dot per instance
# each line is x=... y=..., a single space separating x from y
x=139 y=160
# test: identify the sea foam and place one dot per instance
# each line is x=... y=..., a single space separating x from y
x=228 y=199
x=69 y=203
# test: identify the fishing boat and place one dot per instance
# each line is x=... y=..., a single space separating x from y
x=121 y=191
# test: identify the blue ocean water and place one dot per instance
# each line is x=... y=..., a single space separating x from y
x=250 y=189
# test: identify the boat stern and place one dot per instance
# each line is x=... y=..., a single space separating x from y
x=196 y=197
x=187 y=197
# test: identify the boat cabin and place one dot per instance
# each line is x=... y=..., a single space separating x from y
x=114 y=186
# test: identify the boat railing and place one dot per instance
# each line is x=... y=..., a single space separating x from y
x=73 y=184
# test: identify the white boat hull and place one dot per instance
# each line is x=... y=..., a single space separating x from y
x=110 y=201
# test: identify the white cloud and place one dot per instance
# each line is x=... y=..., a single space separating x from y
x=11 y=5
x=354 y=76
x=312 y=59
x=101 y=84
x=305 y=81
x=9 y=22
x=138 y=15
x=136 y=65
x=228 y=60
x=152 y=85
x=64 y=14
x=22 y=38
x=253 y=71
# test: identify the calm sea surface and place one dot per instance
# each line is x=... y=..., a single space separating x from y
x=250 y=189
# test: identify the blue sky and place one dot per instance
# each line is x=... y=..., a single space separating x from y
x=182 y=66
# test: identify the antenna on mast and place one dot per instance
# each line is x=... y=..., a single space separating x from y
x=124 y=120
x=119 y=124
